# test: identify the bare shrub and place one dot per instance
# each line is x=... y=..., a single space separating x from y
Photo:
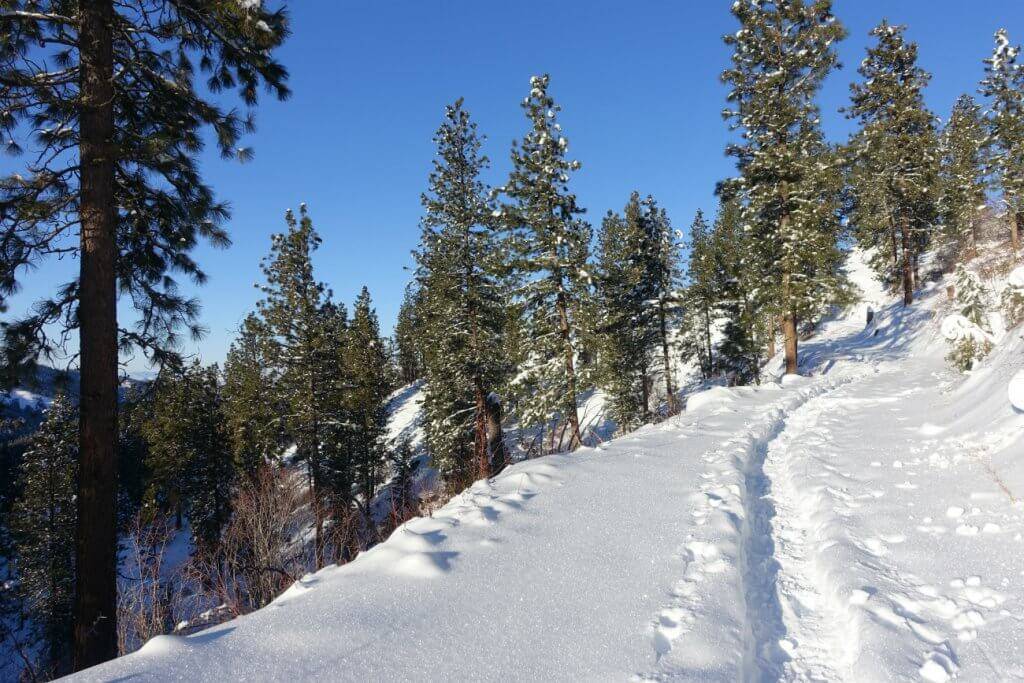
x=146 y=596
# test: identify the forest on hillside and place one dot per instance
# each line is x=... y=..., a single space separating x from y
x=134 y=509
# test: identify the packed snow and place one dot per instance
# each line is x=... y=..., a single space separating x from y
x=862 y=522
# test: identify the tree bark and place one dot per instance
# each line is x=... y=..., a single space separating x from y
x=95 y=611
x=908 y=274
x=1015 y=226
x=573 y=416
x=495 y=436
x=483 y=461
x=789 y=331
x=670 y=391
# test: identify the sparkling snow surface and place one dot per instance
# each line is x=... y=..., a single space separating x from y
x=862 y=523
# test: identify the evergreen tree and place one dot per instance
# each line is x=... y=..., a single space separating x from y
x=701 y=293
x=43 y=525
x=303 y=342
x=367 y=373
x=251 y=409
x=899 y=136
x=1004 y=87
x=637 y=302
x=189 y=453
x=625 y=322
x=462 y=305
x=782 y=52
x=551 y=244
x=105 y=96
x=963 y=173
x=746 y=328
x=972 y=297
x=407 y=332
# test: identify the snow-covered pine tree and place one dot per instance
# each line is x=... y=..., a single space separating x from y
x=114 y=100
x=972 y=297
x=462 y=305
x=701 y=294
x=746 y=327
x=626 y=323
x=898 y=133
x=551 y=245
x=43 y=523
x=962 y=173
x=367 y=371
x=189 y=456
x=1004 y=87
x=782 y=52
x=251 y=409
x=304 y=344
x=665 y=271
x=407 y=332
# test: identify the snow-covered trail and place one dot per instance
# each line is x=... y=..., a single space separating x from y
x=858 y=524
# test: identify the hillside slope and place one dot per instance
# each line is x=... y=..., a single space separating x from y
x=861 y=523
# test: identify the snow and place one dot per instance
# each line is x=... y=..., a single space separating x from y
x=861 y=522
x=1015 y=391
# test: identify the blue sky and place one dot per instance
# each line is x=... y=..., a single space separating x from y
x=638 y=83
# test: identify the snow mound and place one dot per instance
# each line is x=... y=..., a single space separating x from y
x=710 y=398
x=1015 y=391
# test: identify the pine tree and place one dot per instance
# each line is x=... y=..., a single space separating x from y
x=637 y=302
x=962 y=172
x=625 y=319
x=104 y=94
x=746 y=329
x=552 y=245
x=782 y=52
x=1004 y=87
x=251 y=409
x=303 y=342
x=972 y=297
x=462 y=305
x=408 y=358
x=701 y=293
x=367 y=373
x=43 y=524
x=189 y=453
x=899 y=136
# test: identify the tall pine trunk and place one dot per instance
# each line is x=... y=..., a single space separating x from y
x=789 y=316
x=95 y=611
x=480 y=454
x=707 y=339
x=670 y=391
x=908 y=273
x=570 y=370
x=1015 y=226
x=495 y=435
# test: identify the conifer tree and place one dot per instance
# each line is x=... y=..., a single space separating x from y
x=462 y=306
x=626 y=323
x=637 y=300
x=251 y=409
x=701 y=293
x=189 y=454
x=43 y=524
x=745 y=329
x=963 y=172
x=307 y=359
x=407 y=331
x=782 y=52
x=367 y=375
x=1004 y=87
x=105 y=95
x=898 y=135
x=552 y=244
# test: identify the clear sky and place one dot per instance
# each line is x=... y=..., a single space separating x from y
x=637 y=81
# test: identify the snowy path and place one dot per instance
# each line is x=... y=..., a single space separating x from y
x=860 y=524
